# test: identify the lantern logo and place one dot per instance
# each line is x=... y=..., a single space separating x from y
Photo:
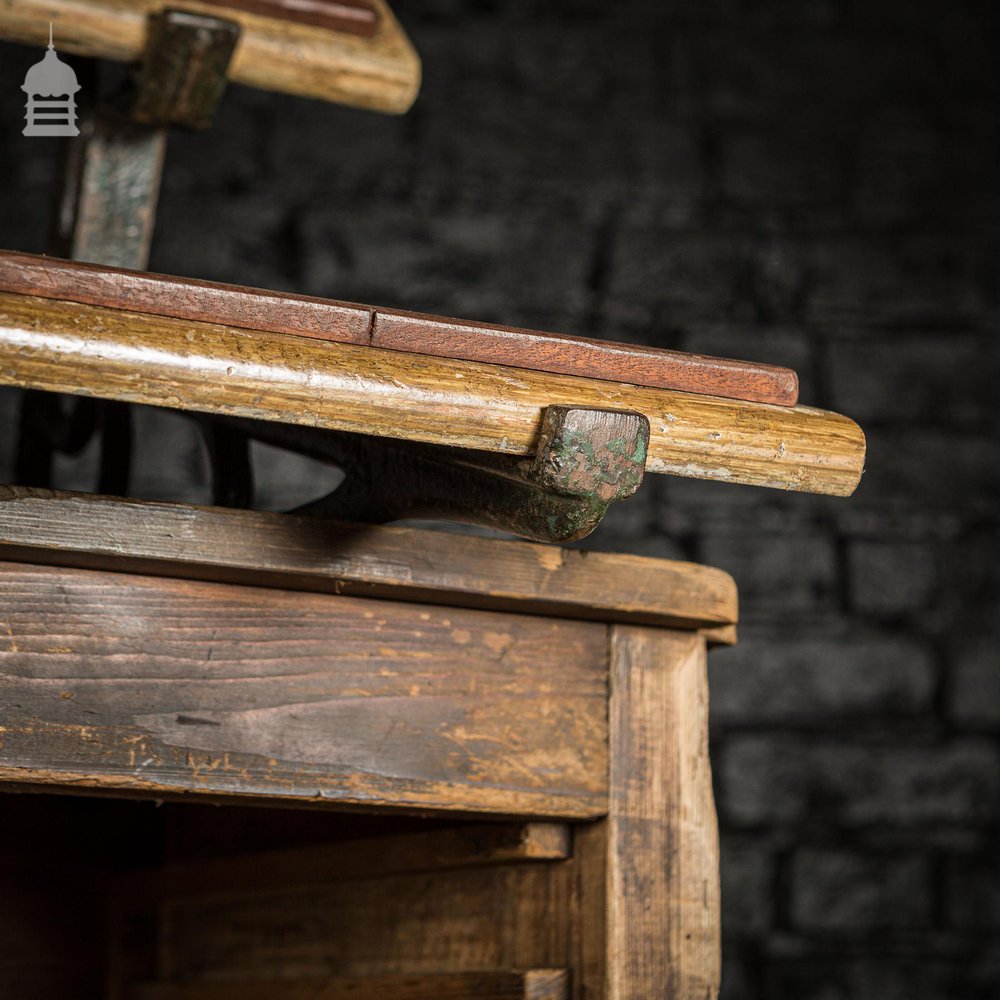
x=51 y=87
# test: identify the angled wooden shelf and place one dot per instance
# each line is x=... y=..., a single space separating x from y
x=380 y=71
x=344 y=381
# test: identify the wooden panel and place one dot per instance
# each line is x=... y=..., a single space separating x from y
x=535 y=984
x=381 y=72
x=339 y=322
x=157 y=686
x=498 y=917
x=115 y=354
x=467 y=846
x=403 y=563
x=662 y=835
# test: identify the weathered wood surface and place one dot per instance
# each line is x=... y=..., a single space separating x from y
x=340 y=322
x=115 y=354
x=467 y=846
x=380 y=72
x=662 y=834
x=278 y=550
x=155 y=687
x=533 y=984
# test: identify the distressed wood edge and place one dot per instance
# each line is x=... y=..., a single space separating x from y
x=662 y=829
x=516 y=804
x=384 y=561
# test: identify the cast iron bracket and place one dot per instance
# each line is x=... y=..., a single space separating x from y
x=585 y=460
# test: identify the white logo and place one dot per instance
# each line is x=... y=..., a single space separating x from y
x=51 y=87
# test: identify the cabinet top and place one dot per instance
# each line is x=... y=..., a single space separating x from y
x=414 y=565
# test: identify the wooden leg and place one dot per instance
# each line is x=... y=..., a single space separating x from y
x=662 y=860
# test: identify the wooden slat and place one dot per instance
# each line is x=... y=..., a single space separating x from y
x=436 y=336
x=534 y=984
x=88 y=350
x=381 y=72
x=662 y=836
x=157 y=687
x=278 y=550
x=468 y=846
x=601 y=359
x=185 y=298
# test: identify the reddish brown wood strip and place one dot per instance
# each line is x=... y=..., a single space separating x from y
x=184 y=298
x=354 y=16
x=567 y=355
x=433 y=336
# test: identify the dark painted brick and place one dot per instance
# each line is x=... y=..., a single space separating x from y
x=891 y=578
x=776 y=571
x=974 y=695
x=748 y=873
x=972 y=894
x=808 y=781
x=841 y=891
x=911 y=378
x=768 y=677
x=919 y=974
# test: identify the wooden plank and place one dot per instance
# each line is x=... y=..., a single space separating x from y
x=662 y=837
x=380 y=72
x=278 y=550
x=88 y=350
x=339 y=322
x=467 y=846
x=534 y=984
x=154 y=687
x=185 y=298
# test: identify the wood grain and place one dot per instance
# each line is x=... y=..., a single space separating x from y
x=498 y=917
x=534 y=984
x=279 y=550
x=662 y=834
x=88 y=350
x=435 y=336
x=466 y=846
x=156 y=687
x=381 y=72
x=601 y=359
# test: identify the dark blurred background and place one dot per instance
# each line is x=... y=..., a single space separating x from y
x=808 y=182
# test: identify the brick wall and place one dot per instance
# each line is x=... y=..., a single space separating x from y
x=811 y=183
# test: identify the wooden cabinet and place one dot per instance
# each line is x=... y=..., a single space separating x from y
x=477 y=768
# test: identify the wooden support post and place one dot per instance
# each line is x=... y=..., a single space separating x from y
x=662 y=877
